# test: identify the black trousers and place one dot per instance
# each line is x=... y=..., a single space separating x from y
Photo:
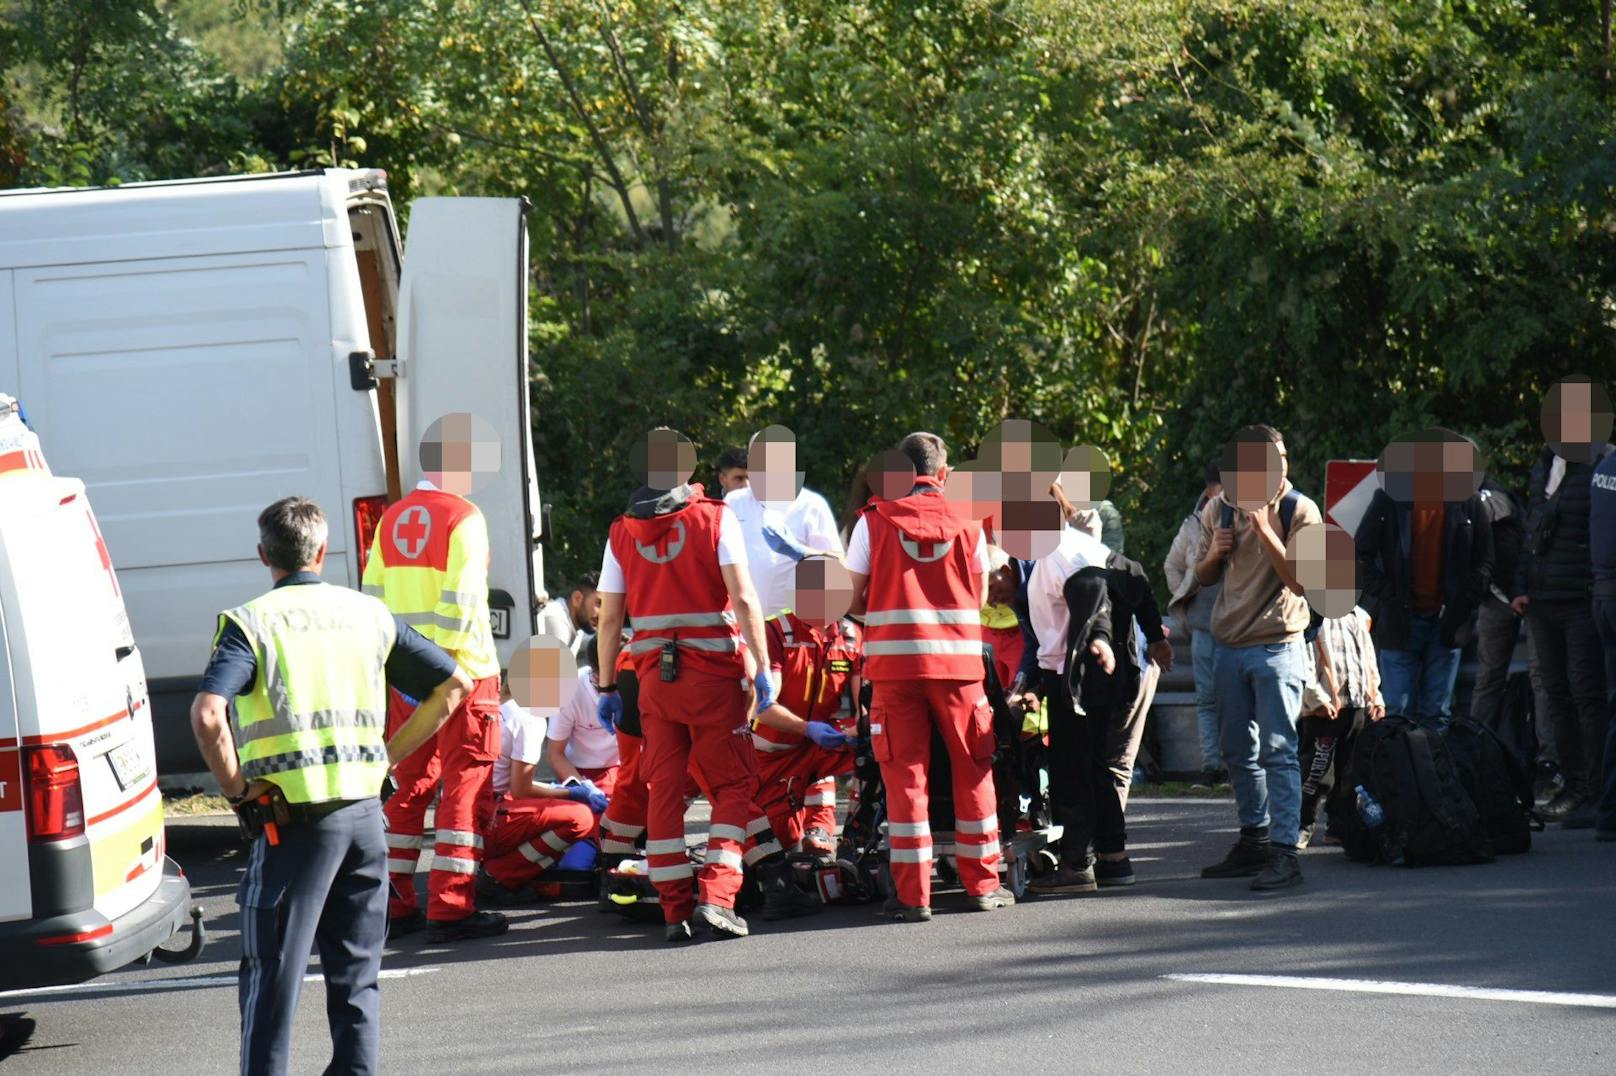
x=324 y=885
x=1605 y=621
x=1325 y=746
x=1573 y=667
x=1084 y=799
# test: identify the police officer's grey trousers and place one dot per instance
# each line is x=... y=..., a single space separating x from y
x=324 y=885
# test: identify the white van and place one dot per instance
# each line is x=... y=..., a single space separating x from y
x=87 y=887
x=196 y=350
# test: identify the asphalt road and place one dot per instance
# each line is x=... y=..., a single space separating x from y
x=1064 y=985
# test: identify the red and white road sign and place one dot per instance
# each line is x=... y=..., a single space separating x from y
x=1348 y=487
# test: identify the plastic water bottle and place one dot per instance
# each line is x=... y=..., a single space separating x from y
x=1374 y=819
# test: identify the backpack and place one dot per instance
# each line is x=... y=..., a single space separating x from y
x=1498 y=783
x=1430 y=817
x=1517 y=719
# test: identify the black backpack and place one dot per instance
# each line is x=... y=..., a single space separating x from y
x=1430 y=817
x=1517 y=720
x=1498 y=783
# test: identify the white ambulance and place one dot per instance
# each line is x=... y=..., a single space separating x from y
x=85 y=886
x=197 y=350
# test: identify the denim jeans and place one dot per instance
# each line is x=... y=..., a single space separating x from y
x=1259 y=699
x=1204 y=649
x=1417 y=681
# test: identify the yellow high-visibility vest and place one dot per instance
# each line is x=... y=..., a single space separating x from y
x=315 y=722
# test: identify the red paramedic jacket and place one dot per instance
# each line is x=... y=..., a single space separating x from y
x=674 y=590
x=923 y=618
x=815 y=666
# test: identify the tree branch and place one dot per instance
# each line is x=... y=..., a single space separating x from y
x=614 y=176
x=637 y=103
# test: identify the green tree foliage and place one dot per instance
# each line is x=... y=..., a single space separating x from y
x=1141 y=224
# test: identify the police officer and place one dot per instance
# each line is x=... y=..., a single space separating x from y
x=302 y=761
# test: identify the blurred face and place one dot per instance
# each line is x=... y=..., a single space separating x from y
x=543 y=674
x=772 y=466
x=823 y=591
x=1253 y=472
x=460 y=453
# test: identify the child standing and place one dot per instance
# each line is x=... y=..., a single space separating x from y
x=1339 y=698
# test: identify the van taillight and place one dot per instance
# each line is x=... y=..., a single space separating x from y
x=367 y=515
x=55 y=797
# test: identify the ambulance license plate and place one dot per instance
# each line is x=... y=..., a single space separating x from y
x=129 y=765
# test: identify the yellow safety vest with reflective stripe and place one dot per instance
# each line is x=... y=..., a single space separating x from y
x=429 y=563
x=315 y=721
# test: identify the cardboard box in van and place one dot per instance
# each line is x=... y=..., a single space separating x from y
x=196 y=350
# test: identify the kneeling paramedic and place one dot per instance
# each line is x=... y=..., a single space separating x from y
x=302 y=762
x=676 y=564
x=534 y=822
x=919 y=568
x=814 y=657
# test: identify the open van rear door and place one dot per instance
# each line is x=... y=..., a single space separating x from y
x=463 y=347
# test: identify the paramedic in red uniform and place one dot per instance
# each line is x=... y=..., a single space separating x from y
x=919 y=570
x=429 y=565
x=814 y=654
x=675 y=563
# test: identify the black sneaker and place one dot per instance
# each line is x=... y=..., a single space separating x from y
x=1113 y=872
x=721 y=922
x=678 y=932
x=897 y=910
x=987 y=902
x=1284 y=869
x=492 y=892
x=1248 y=857
x=1563 y=803
x=1206 y=782
x=1066 y=879
x=399 y=926
x=783 y=898
x=475 y=925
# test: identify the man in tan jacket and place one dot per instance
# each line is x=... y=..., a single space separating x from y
x=1258 y=623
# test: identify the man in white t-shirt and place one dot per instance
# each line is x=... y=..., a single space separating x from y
x=534 y=822
x=771 y=498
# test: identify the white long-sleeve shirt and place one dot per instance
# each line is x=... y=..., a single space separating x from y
x=1046 y=598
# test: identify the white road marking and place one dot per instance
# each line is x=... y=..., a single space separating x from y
x=1431 y=990
x=198 y=983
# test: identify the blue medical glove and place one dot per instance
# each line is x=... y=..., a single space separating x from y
x=764 y=686
x=587 y=793
x=783 y=544
x=827 y=736
x=609 y=710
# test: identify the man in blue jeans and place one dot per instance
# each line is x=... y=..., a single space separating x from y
x=1425 y=560
x=1260 y=668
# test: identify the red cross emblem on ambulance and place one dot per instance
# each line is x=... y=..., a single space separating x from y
x=411 y=530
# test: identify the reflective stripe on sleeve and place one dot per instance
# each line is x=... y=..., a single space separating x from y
x=533 y=855
x=922 y=616
x=555 y=840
